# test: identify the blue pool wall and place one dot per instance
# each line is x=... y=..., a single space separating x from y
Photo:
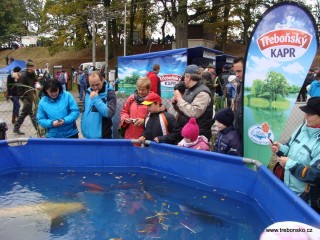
x=208 y=168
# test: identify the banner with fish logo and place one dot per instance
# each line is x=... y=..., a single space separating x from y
x=281 y=50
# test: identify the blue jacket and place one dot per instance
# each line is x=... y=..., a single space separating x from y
x=97 y=116
x=228 y=141
x=304 y=150
x=63 y=107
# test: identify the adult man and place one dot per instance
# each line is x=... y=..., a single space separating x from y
x=195 y=103
x=28 y=94
x=211 y=69
x=238 y=64
x=99 y=108
x=223 y=78
x=154 y=79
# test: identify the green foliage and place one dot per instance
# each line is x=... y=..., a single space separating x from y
x=257 y=87
x=132 y=79
x=272 y=90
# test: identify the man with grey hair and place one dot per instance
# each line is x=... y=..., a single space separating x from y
x=196 y=102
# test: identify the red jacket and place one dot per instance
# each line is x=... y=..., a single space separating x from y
x=155 y=82
x=131 y=109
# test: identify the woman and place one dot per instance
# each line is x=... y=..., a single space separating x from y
x=12 y=80
x=133 y=112
x=301 y=155
x=57 y=111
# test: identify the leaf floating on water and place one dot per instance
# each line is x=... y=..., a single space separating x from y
x=204 y=196
x=118 y=177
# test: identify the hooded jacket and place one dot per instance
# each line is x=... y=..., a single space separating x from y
x=96 y=121
x=303 y=150
x=314 y=90
x=132 y=108
x=228 y=141
x=63 y=107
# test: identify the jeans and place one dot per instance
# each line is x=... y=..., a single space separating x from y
x=82 y=91
x=16 y=105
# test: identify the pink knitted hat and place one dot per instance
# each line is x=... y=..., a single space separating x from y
x=191 y=130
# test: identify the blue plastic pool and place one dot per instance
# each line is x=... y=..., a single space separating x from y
x=197 y=168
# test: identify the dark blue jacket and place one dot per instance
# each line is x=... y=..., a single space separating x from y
x=228 y=141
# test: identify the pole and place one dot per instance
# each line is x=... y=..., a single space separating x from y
x=106 y=48
x=94 y=38
x=125 y=29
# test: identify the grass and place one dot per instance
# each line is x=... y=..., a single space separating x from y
x=282 y=103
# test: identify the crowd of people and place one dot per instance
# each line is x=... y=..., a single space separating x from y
x=202 y=101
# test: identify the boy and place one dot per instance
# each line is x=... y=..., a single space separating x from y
x=228 y=139
x=160 y=126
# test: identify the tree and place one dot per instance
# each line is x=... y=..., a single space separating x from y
x=257 y=87
x=18 y=18
x=275 y=84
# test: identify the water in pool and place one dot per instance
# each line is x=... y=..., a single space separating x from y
x=122 y=204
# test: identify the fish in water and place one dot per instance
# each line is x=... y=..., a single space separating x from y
x=93 y=186
x=52 y=209
x=34 y=221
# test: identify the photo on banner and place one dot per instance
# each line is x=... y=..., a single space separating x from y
x=281 y=50
x=172 y=64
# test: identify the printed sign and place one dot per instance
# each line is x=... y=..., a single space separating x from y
x=281 y=51
x=172 y=65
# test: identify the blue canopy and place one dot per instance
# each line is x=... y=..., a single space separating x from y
x=16 y=63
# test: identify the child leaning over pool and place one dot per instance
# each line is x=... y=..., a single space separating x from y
x=160 y=126
x=228 y=139
x=191 y=138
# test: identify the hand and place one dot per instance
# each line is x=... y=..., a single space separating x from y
x=156 y=139
x=275 y=147
x=174 y=99
x=282 y=161
x=139 y=122
x=142 y=138
x=177 y=95
x=58 y=123
x=94 y=93
x=127 y=120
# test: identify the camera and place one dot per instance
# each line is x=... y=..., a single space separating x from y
x=133 y=120
x=180 y=86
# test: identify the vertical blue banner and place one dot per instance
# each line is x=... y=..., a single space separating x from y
x=281 y=51
x=172 y=65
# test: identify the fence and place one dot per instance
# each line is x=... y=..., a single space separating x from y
x=27 y=127
x=296 y=118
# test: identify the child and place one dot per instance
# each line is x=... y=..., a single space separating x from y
x=228 y=139
x=191 y=138
x=160 y=126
